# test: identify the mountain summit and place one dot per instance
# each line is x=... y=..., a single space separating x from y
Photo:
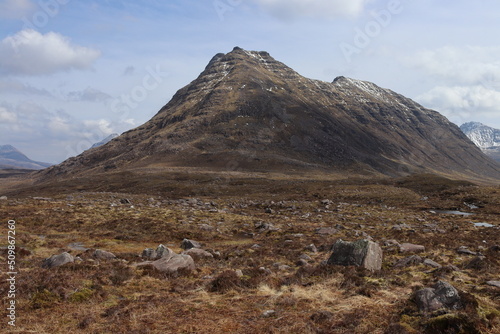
x=247 y=111
x=485 y=137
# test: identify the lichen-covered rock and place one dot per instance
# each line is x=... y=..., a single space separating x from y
x=441 y=295
x=361 y=253
x=57 y=260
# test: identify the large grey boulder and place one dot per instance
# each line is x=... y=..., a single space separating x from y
x=198 y=254
x=100 y=254
x=361 y=253
x=171 y=264
x=441 y=296
x=57 y=260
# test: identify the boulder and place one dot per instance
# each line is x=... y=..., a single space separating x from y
x=162 y=251
x=412 y=260
x=103 y=255
x=433 y=264
x=187 y=244
x=57 y=260
x=171 y=264
x=362 y=253
x=441 y=296
x=149 y=253
x=197 y=253
x=411 y=248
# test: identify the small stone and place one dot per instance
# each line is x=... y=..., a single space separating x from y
x=305 y=257
x=494 y=283
x=391 y=242
x=187 y=244
x=256 y=246
x=238 y=273
x=326 y=231
x=268 y=313
x=3 y=198
x=301 y=263
x=206 y=227
x=265 y=271
x=430 y=263
x=465 y=250
x=409 y=261
x=125 y=201
x=311 y=248
x=411 y=248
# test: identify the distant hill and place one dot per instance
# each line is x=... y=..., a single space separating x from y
x=105 y=140
x=485 y=137
x=12 y=158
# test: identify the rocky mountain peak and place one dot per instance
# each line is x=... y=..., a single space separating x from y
x=248 y=111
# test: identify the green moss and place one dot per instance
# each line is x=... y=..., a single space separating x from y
x=44 y=299
x=81 y=295
x=451 y=323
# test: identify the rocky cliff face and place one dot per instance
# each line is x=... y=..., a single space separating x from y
x=247 y=111
x=485 y=137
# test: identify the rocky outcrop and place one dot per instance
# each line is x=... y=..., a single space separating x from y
x=361 y=253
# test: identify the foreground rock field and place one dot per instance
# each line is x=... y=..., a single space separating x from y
x=258 y=262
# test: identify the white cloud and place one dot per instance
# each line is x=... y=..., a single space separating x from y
x=18 y=87
x=313 y=8
x=7 y=116
x=15 y=9
x=89 y=94
x=30 y=53
x=460 y=65
x=467 y=102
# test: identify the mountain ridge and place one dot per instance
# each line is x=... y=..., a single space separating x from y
x=12 y=158
x=248 y=111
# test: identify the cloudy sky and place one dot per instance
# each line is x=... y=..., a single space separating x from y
x=74 y=71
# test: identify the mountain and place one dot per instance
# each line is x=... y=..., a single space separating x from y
x=485 y=137
x=11 y=158
x=248 y=112
x=105 y=140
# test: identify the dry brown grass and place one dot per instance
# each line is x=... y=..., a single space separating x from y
x=114 y=297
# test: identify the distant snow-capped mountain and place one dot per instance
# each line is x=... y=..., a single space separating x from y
x=481 y=135
x=106 y=140
x=485 y=137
